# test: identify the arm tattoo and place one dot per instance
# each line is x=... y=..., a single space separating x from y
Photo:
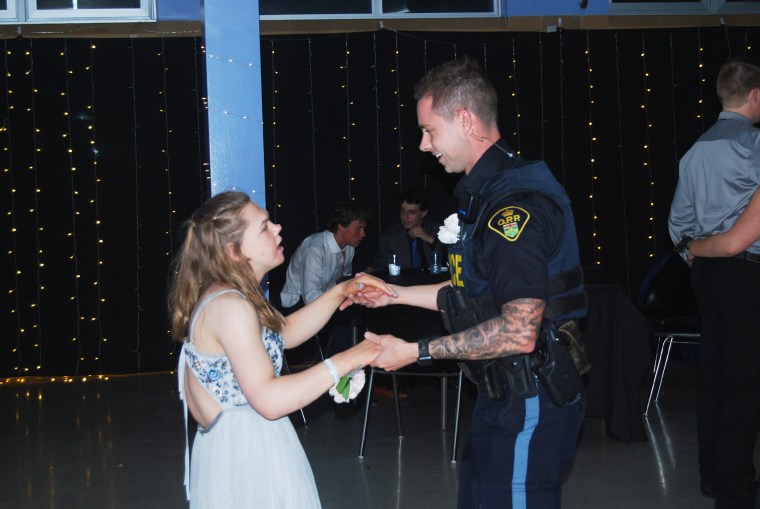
x=514 y=331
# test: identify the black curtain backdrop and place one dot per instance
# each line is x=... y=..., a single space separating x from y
x=104 y=154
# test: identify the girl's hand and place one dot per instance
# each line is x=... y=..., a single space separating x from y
x=358 y=356
x=368 y=291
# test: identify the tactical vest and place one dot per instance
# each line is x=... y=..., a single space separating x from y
x=566 y=297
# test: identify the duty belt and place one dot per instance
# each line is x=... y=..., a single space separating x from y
x=750 y=257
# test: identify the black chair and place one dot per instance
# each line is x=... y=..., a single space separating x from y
x=411 y=323
x=667 y=300
x=443 y=370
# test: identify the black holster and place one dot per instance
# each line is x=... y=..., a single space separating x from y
x=552 y=364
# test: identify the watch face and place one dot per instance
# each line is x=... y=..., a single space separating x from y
x=423 y=357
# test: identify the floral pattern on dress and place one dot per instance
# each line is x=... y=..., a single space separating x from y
x=215 y=372
x=275 y=346
x=216 y=375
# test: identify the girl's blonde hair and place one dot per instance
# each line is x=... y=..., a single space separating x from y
x=202 y=260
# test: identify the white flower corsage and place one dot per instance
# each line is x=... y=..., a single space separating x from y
x=348 y=387
x=449 y=232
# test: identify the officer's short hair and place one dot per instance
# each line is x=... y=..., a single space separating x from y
x=459 y=84
x=737 y=77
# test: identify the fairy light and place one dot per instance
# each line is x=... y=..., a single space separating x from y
x=397 y=128
x=622 y=160
x=166 y=150
x=673 y=110
x=37 y=223
x=747 y=45
x=8 y=171
x=137 y=289
x=516 y=133
x=234 y=114
x=205 y=175
x=313 y=140
x=592 y=167
x=700 y=70
x=74 y=257
x=275 y=146
x=349 y=123
x=198 y=129
x=652 y=238
x=99 y=299
x=377 y=133
x=167 y=154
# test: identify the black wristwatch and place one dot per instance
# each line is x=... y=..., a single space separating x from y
x=424 y=358
x=682 y=244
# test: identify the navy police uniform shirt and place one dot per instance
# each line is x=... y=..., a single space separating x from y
x=519 y=236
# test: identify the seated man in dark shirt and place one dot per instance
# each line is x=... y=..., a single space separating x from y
x=414 y=239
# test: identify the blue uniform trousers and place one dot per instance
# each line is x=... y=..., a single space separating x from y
x=517 y=451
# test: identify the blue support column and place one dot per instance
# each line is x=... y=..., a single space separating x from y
x=233 y=76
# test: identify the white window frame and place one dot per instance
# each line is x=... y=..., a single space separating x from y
x=146 y=12
x=377 y=12
x=10 y=13
x=679 y=8
x=659 y=8
x=728 y=7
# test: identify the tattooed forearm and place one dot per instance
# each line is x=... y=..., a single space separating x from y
x=514 y=331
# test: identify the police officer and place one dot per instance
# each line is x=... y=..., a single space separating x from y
x=514 y=266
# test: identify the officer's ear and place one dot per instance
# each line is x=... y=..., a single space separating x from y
x=465 y=118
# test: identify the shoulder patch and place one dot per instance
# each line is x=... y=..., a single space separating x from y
x=509 y=222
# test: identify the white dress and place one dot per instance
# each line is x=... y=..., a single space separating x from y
x=242 y=460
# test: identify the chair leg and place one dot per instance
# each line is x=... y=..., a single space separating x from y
x=659 y=370
x=319 y=347
x=367 y=404
x=398 y=408
x=657 y=353
x=455 y=440
x=287 y=370
x=444 y=399
x=664 y=367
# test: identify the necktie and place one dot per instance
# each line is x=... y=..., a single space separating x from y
x=415 y=255
x=341 y=263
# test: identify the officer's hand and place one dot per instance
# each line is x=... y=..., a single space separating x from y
x=396 y=353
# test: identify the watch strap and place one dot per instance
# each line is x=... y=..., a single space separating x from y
x=423 y=356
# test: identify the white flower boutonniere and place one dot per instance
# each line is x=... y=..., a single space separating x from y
x=348 y=387
x=449 y=232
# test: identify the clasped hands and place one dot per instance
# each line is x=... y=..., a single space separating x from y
x=373 y=292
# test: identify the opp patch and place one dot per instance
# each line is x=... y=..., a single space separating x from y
x=509 y=222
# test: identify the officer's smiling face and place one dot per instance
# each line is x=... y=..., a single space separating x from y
x=442 y=137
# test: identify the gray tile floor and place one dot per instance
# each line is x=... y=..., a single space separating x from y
x=119 y=444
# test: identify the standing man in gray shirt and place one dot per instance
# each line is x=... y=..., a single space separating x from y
x=717 y=178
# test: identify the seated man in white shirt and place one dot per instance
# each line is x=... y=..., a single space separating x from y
x=323 y=258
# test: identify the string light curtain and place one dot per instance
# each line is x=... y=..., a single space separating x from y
x=71 y=121
x=136 y=130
